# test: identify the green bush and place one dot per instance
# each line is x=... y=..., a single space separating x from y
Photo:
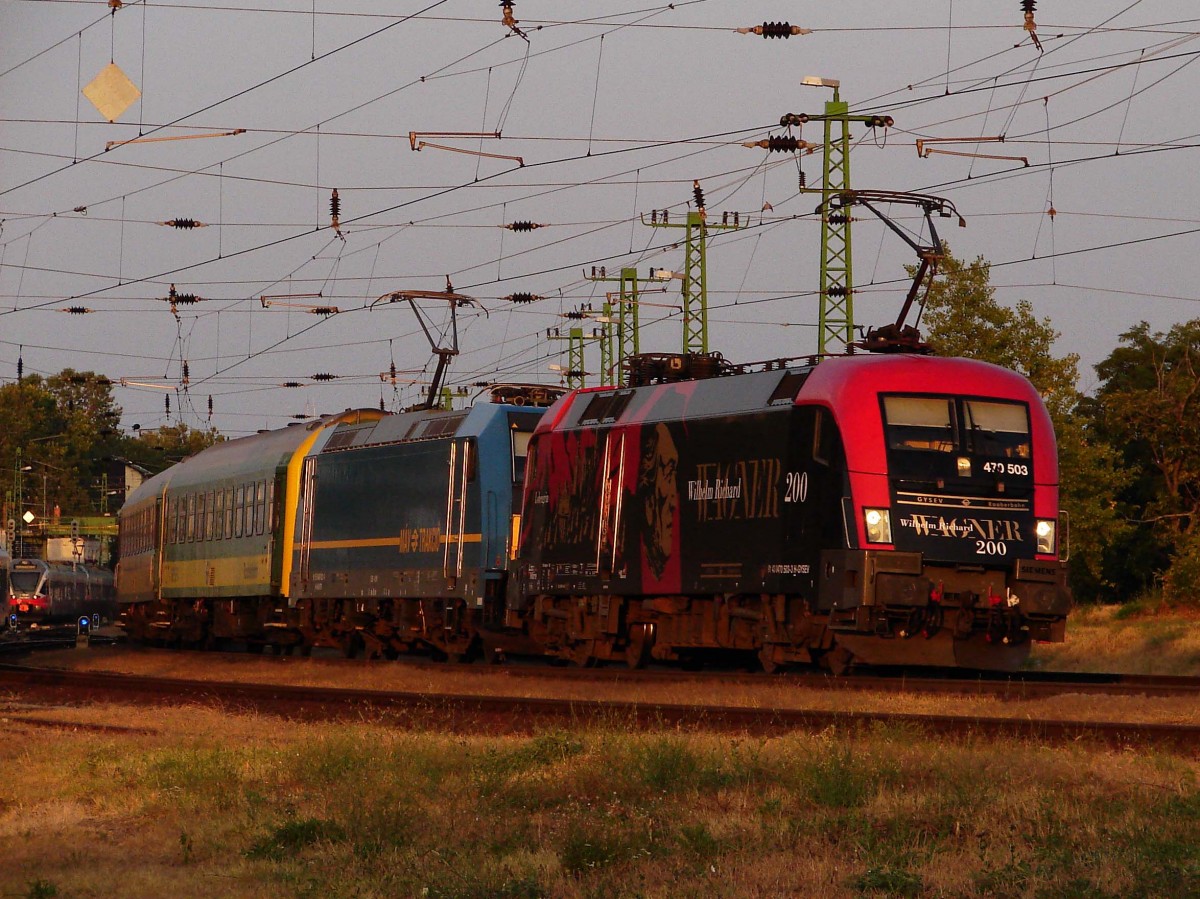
x=1181 y=583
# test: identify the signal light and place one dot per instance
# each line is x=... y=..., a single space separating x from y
x=85 y=624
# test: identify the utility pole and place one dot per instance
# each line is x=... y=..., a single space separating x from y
x=619 y=338
x=836 y=317
x=575 y=373
x=694 y=275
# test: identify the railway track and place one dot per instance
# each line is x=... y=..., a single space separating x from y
x=1005 y=686
x=519 y=715
x=1001 y=685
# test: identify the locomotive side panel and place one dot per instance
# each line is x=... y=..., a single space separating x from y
x=379 y=525
x=729 y=504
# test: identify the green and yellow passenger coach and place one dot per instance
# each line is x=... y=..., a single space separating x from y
x=206 y=545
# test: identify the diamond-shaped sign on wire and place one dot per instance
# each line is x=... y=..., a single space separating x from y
x=111 y=92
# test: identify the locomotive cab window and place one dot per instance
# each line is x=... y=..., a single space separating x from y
x=997 y=429
x=25 y=581
x=919 y=423
x=520 y=448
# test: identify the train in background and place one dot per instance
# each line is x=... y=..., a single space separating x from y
x=42 y=593
x=883 y=509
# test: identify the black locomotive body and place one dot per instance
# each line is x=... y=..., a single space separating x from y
x=891 y=509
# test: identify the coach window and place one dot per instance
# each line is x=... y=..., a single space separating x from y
x=172 y=522
x=201 y=512
x=228 y=512
x=248 y=529
x=238 y=503
x=261 y=508
x=209 y=509
x=273 y=515
x=191 y=517
x=219 y=515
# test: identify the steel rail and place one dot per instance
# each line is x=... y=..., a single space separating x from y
x=520 y=715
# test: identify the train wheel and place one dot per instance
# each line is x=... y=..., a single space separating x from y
x=641 y=641
x=837 y=660
x=583 y=655
x=766 y=658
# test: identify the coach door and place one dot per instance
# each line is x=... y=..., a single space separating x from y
x=456 y=509
x=308 y=491
x=613 y=473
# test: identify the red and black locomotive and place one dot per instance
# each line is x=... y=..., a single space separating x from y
x=894 y=509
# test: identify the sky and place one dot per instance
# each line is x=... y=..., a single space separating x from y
x=252 y=113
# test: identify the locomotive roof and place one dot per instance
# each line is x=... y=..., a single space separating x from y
x=849 y=386
x=841 y=383
x=425 y=424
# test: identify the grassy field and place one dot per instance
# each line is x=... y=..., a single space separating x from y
x=229 y=805
x=216 y=804
x=1132 y=639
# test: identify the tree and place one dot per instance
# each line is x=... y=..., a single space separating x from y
x=163 y=447
x=963 y=318
x=61 y=434
x=1149 y=405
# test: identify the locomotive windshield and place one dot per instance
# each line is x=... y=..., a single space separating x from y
x=918 y=422
x=949 y=425
x=997 y=429
x=24 y=581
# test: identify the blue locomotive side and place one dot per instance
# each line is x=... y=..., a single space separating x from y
x=405 y=527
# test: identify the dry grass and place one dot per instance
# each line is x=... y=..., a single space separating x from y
x=1130 y=639
x=232 y=805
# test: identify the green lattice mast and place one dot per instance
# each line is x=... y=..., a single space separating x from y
x=836 y=315
x=695 y=272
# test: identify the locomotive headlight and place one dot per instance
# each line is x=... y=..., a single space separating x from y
x=1046 y=529
x=879 y=525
